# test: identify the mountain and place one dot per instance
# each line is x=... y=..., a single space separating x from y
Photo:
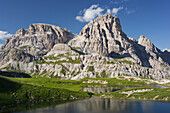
x=101 y=50
x=38 y=37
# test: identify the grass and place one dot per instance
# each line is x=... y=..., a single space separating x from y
x=118 y=82
x=155 y=94
x=121 y=60
x=90 y=69
x=76 y=61
x=75 y=73
x=24 y=47
x=51 y=58
x=37 y=90
x=97 y=74
x=73 y=85
x=51 y=83
x=5 y=51
x=31 y=90
x=103 y=74
x=59 y=62
x=128 y=62
x=27 y=106
x=64 y=70
x=61 y=55
x=111 y=62
x=76 y=48
x=163 y=65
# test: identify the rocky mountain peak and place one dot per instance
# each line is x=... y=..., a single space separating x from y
x=42 y=36
x=144 y=41
x=105 y=23
x=116 y=25
x=21 y=31
x=41 y=28
x=104 y=36
x=132 y=39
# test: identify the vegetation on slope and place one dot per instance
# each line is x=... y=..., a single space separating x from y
x=58 y=61
x=38 y=90
x=12 y=91
x=134 y=93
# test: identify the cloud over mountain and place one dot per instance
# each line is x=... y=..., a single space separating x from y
x=90 y=13
x=4 y=35
x=114 y=11
x=94 y=11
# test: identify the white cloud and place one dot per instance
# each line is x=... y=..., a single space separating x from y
x=4 y=35
x=94 y=11
x=90 y=13
x=108 y=11
x=115 y=10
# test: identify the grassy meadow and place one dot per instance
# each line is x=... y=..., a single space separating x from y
x=16 y=91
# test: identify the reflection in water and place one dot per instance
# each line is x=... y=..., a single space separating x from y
x=97 y=105
x=156 y=86
x=102 y=89
x=106 y=89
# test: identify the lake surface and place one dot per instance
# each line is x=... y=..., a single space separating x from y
x=98 y=105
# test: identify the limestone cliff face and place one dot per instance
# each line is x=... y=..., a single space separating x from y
x=101 y=50
x=104 y=35
x=144 y=41
x=41 y=36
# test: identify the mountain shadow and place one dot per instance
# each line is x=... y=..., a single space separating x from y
x=14 y=74
x=7 y=85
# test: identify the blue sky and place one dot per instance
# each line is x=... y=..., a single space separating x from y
x=150 y=18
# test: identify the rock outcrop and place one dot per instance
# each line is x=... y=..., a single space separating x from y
x=104 y=36
x=39 y=37
x=101 y=50
x=60 y=49
x=149 y=46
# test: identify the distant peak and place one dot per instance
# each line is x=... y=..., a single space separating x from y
x=42 y=28
x=106 y=15
x=144 y=41
x=105 y=18
x=106 y=22
x=42 y=25
x=38 y=24
x=143 y=38
x=166 y=50
x=21 y=31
